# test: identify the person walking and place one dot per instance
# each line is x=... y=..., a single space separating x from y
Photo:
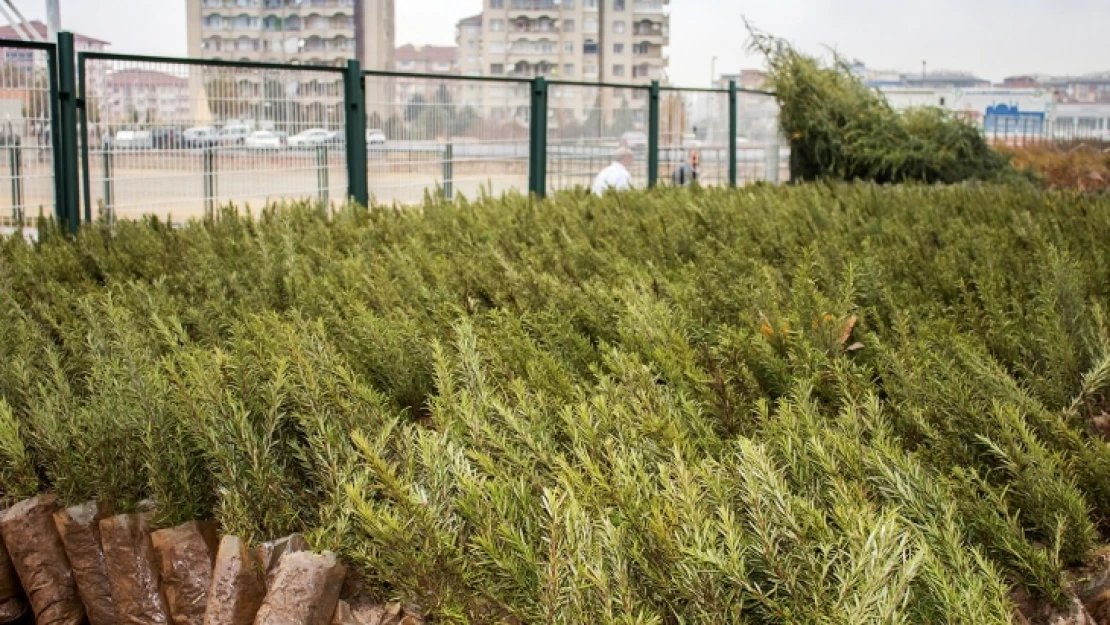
x=615 y=177
x=687 y=172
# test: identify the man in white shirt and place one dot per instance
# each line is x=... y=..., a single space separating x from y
x=615 y=176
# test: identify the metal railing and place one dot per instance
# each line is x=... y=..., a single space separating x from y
x=122 y=136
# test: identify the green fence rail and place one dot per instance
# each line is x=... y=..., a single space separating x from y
x=386 y=130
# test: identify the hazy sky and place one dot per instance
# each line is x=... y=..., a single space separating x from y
x=993 y=38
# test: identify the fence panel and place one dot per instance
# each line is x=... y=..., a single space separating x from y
x=445 y=135
x=760 y=152
x=693 y=124
x=587 y=124
x=27 y=168
x=180 y=138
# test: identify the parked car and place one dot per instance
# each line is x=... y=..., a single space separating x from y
x=634 y=140
x=375 y=137
x=234 y=134
x=200 y=137
x=167 y=138
x=313 y=137
x=266 y=140
x=133 y=140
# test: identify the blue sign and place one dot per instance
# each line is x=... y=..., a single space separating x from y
x=1010 y=118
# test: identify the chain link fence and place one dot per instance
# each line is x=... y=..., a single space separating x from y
x=179 y=138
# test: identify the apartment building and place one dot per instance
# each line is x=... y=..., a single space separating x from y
x=144 y=96
x=617 y=41
x=302 y=32
x=441 y=60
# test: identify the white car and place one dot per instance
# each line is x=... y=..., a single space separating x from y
x=375 y=137
x=635 y=140
x=133 y=140
x=234 y=134
x=201 y=137
x=265 y=140
x=313 y=137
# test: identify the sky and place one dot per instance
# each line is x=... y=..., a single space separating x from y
x=991 y=38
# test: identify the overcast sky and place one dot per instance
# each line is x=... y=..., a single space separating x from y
x=993 y=38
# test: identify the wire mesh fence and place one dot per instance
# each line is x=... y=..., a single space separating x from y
x=448 y=135
x=26 y=146
x=178 y=139
x=693 y=137
x=587 y=125
x=760 y=152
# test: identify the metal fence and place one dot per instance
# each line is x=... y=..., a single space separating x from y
x=28 y=97
x=115 y=136
x=587 y=123
x=178 y=138
x=445 y=134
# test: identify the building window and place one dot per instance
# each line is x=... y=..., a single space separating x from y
x=497 y=47
x=589 y=5
x=497 y=4
x=641 y=48
x=568 y=69
x=589 y=47
x=568 y=26
x=618 y=70
x=496 y=25
x=496 y=69
x=589 y=69
x=569 y=47
x=618 y=5
x=589 y=25
x=472 y=43
x=214 y=22
x=618 y=28
x=618 y=48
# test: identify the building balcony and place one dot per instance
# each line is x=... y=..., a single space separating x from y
x=650 y=7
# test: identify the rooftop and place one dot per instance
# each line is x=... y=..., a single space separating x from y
x=145 y=77
x=9 y=32
x=433 y=54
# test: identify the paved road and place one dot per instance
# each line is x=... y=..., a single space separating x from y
x=172 y=182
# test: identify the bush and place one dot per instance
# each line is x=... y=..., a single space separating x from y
x=821 y=403
x=840 y=129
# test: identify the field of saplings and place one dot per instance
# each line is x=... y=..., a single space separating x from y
x=826 y=403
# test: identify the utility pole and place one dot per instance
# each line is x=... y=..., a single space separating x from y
x=713 y=72
x=924 y=74
x=53 y=20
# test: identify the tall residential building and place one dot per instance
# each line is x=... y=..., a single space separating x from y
x=301 y=32
x=616 y=41
x=144 y=96
x=307 y=32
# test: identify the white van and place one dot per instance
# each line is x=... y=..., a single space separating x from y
x=133 y=140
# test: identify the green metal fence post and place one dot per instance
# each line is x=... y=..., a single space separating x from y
x=358 y=187
x=69 y=204
x=448 y=172
x=537 y=153
x=653 y=134
x=209 y=178
x=733 y=123
x=83 y=120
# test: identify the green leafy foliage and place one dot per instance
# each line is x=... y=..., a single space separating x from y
x=823 y=404
x=840 y=129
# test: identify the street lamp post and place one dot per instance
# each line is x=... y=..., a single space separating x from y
x=713 y=72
